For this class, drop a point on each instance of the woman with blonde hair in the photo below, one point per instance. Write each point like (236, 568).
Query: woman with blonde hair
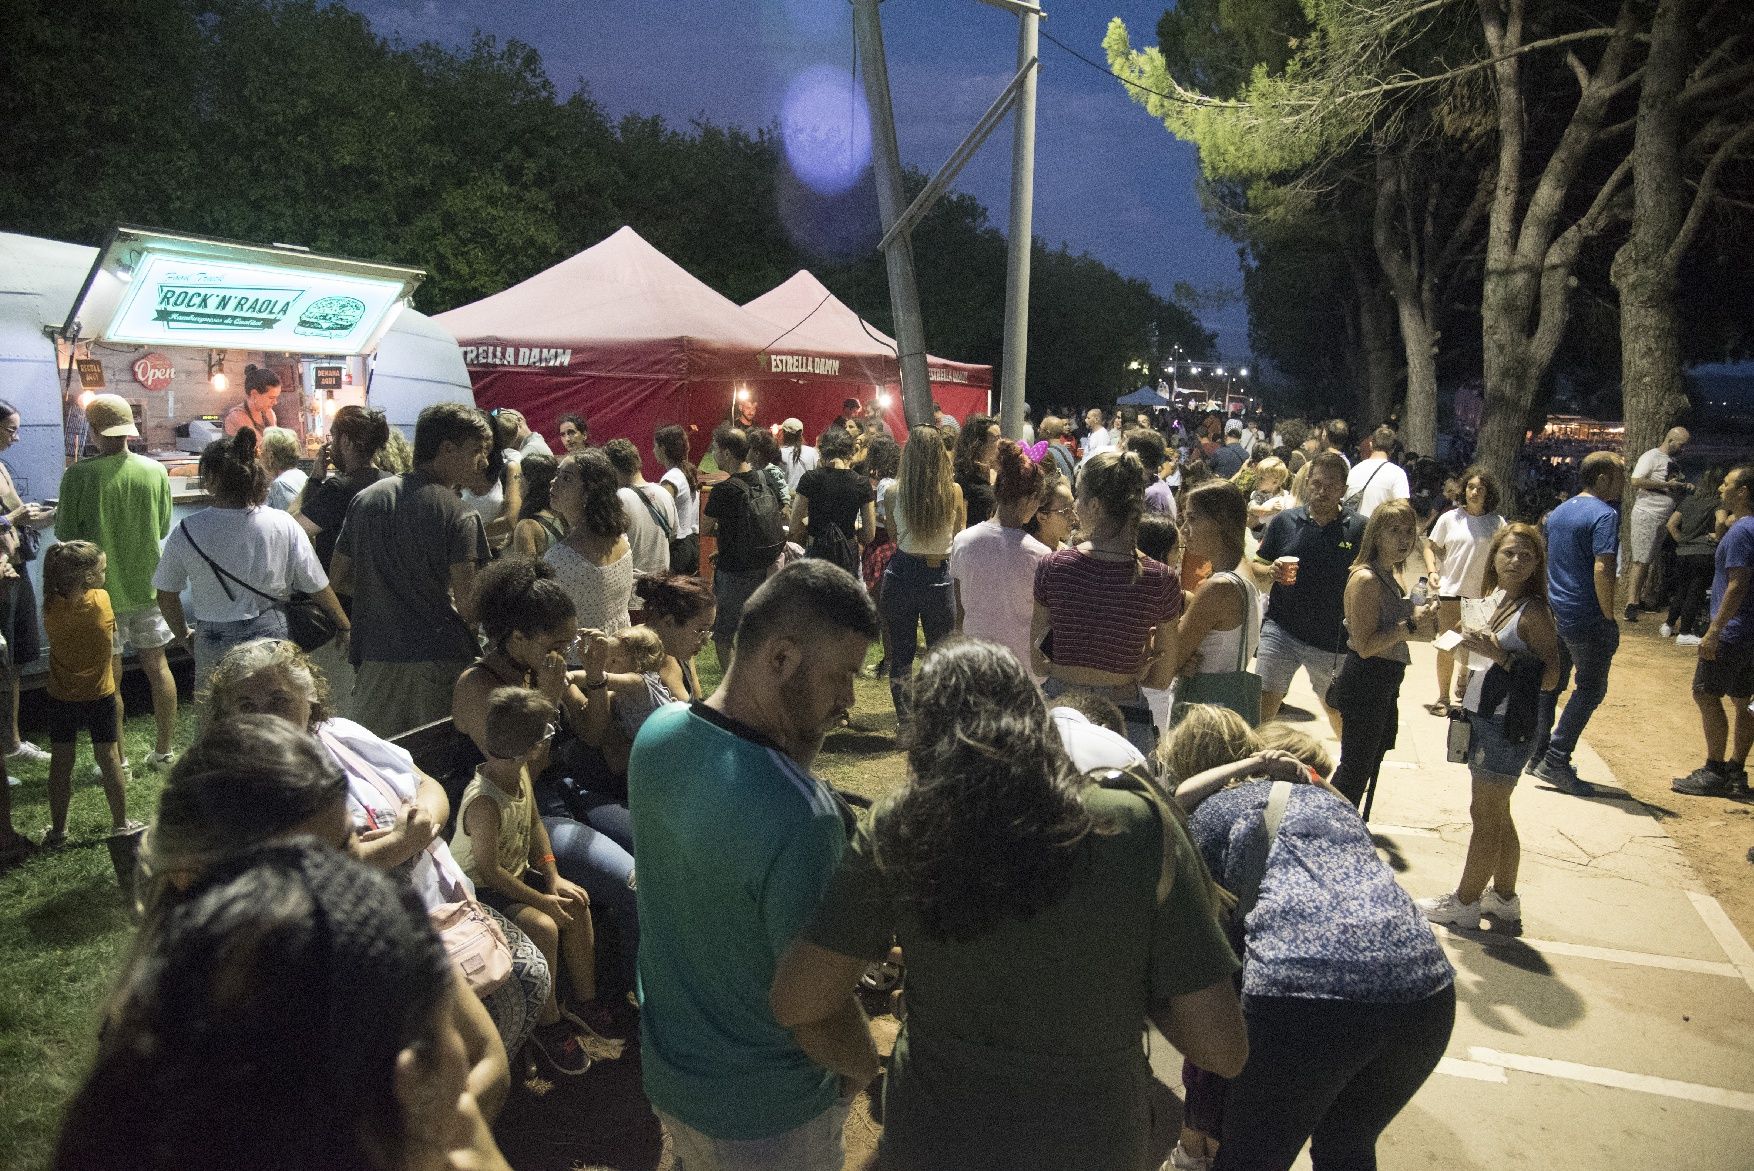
(1221, 627)
(924, 511)
(1380, 618)
(279, 457)
(1511, 662)
(1340, 1035)
(1106, 611)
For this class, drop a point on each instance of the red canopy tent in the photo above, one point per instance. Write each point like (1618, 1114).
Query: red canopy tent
(816, 320)
(625, 336)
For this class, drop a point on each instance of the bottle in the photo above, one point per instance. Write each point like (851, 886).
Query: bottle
(1416, 595)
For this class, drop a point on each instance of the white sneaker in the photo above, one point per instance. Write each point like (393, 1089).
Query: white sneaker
(1666, 630)
(1687, 640)
(1504, 910)
(160, 761)
(1180, 1160)
(28, 752)
(1450, 911)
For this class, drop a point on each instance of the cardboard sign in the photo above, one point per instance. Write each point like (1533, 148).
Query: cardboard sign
(328, 377)
(91, 374)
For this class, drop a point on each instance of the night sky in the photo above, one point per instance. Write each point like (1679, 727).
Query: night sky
(1110, 180)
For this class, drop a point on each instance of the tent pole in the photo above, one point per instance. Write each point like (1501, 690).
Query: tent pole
(904, 297)
(1020, 232)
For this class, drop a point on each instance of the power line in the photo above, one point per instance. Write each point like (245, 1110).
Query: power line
(1100, 68)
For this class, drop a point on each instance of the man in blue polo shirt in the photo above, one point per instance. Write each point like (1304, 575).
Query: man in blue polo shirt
(1583, 553)
(1726, 653)
(736, 844)
(1305, 557)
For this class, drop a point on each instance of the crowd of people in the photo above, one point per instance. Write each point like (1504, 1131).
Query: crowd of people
(1089, 635)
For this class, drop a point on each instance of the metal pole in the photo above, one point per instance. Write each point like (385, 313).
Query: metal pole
(904, 297)
(1015, 362)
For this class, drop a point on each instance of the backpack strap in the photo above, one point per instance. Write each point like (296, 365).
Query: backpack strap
(669, 533)
(1249, 888)
(224, 575)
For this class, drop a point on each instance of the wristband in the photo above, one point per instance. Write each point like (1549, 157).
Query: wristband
(597, 686)
(547, 858)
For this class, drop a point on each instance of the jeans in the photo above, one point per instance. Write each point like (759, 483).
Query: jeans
(817, 1145)
(914, 594)
(596, 862)
(213, 639)
(1371, 720)
(1334, 1072)
(1590, 650)
(1688, 604)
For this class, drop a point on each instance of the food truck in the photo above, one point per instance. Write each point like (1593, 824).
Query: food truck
(169, 321)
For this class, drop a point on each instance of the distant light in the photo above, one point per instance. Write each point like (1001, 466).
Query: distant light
(1244, 372)
(1196, 369)
(883, 400)
(330, 406)
(1219, 372)
(219, 381)
(742, 395)
(85, 398)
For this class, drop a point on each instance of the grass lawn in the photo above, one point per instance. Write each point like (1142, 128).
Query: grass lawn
(64, 929)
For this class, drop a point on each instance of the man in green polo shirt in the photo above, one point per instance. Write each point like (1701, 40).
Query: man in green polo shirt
(121, 502)
(736, 844)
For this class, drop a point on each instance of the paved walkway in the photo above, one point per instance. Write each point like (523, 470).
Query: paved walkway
(1618, 1029)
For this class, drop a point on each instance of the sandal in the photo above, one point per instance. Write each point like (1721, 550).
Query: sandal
(881, 977)
(1439, 709)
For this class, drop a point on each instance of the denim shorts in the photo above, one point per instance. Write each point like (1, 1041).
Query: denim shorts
(1490, 755)
(1279, 656)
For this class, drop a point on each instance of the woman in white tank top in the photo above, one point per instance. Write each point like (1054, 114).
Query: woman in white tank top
(1222, 624)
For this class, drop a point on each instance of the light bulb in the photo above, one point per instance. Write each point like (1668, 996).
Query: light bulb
(219, 381)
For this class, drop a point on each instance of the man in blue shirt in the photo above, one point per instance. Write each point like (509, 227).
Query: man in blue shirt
(1583, 553)
(736, 844)
(1726, 652)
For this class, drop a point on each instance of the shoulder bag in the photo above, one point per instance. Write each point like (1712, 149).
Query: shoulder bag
(657, 514)
(471, 938)
(307, 623)
(1355, 499)
(1238, 690)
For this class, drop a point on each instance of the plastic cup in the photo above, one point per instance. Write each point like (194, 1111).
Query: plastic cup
(1285, 570)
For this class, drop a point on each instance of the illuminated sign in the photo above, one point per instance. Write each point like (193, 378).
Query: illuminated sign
(224, 304)
(154, 288)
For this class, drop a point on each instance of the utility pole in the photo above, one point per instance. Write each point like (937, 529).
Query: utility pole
(898, 223)
(898, 256)
(1020, 233)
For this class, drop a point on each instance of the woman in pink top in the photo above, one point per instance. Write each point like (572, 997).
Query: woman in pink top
(992, 564)
(1106, 612)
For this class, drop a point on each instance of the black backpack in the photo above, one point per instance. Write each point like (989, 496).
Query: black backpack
(766, 527)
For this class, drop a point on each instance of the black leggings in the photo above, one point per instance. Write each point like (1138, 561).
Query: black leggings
(1692, 590)
(1334, 1072)
(1370, 719)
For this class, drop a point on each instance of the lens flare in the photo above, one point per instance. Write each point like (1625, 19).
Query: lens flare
(826, 129)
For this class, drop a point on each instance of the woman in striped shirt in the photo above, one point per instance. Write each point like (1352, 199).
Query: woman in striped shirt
(1105, 612)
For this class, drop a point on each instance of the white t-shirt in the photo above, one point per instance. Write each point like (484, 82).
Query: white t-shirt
(994, 568)
(795, 461)
(1653, 465)
(262, 546)
(378, 791)
(1460, 540)
(1381, 480)
(651, 547)
(1091, 745)
(283, 492)
(1097, 440)
(687, 503)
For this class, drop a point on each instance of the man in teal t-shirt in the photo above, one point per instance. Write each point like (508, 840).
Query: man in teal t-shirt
(736, 844)
(121, 502)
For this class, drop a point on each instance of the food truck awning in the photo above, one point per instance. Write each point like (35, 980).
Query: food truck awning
(148, 287)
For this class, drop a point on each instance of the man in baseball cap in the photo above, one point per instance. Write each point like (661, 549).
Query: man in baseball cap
(1228, 460)
(110, 415)
(121, 502)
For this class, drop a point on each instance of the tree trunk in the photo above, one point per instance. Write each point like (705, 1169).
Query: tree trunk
(1646, 266)
(1398, 254)
(1376, 335)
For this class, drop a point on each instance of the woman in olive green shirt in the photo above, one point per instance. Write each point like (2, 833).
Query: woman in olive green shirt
(1044, 920)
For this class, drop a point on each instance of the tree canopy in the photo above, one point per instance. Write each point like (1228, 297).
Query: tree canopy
(292, 120)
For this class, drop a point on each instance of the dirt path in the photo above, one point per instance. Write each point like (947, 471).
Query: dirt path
(1648, 732)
